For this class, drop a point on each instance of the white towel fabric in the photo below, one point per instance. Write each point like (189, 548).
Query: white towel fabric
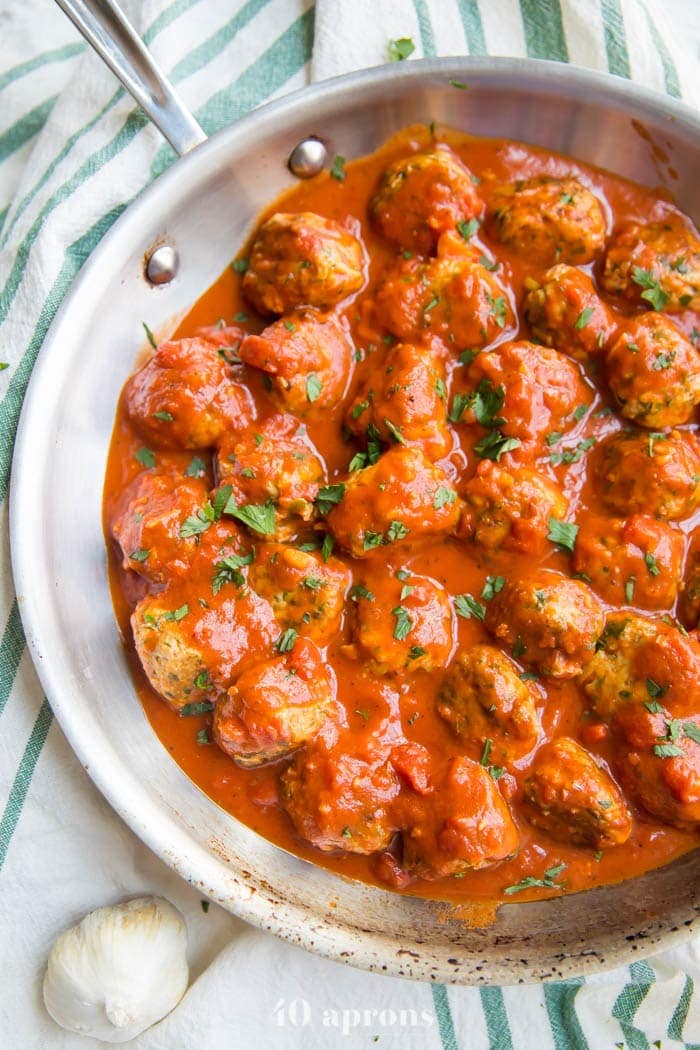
(73, 153)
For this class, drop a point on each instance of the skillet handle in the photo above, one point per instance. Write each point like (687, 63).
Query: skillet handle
(116, 42)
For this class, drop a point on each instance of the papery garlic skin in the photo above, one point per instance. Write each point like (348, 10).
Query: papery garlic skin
(119, 970)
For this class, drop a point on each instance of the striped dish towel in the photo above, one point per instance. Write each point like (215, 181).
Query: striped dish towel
(73, 153)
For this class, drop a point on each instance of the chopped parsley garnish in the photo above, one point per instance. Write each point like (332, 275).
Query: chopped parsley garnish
(404, 623)
(202, 707)
(395, 432)
(313, 583)
(197, 468)
(667, 750)
(328, 497)
(145, 457)
(466, 605)
(651, 564)
(692, 731)
(400, 49)
(663, 361)
(313, 388)
(495, 444)
(583, 318)
(498, 309)
(203, 680)
(196, 524)
(570, 455)
(415, 652)
(440, 389)
(653, 292)
(492, 586)
(459, 84)
(286, 641)
(547, 882)
(165, 417)
(407, 589)
(629, 589)
(338, 168)
(467, 356)
(228, 570)
(140, 555)
(239, 265)
(150, 336)
(203, 738)
(651, 441)
(360, 591)
(459, 404)
(435, 301)
(327, 546)
(467, 229)
(579, 412)
(655, 690)
(519, 648)
(488, 744)
(488, 264)
(240, 317)
(258, 517)
(396, 531)
(563, 533)
(444, 497)
(487, 402)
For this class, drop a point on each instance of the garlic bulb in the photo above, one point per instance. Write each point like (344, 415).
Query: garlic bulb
(119, 970)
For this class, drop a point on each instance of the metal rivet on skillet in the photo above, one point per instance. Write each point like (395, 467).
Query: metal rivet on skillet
(162, 264)
(307, 158)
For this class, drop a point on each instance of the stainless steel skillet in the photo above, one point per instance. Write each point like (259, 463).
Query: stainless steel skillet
(202, 209)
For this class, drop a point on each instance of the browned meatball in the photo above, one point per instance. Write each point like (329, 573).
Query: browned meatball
(566, 312)
(274, 469)
(634, 561)
(309, 354)
(574, 799)
(422, 196)
(403, 391)
(660, 766)
(510, 509)
(549, 220)
(548, 621)
(302, 259)
(654, 373)
(187, 650)
(305, 592)
(186, 396)
(404, 625)
(657, 265)
(453, 297)
(639, 661)
(274, 707)
(488, 706)
(339, 796)
(650, 474)
(464, 824)
(402, 497)
(147, 524)
(540, 391)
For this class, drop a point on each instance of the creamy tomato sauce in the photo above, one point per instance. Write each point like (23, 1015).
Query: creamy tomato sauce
(402, 524)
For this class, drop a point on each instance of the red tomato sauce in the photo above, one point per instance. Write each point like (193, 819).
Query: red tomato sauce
(407, 701)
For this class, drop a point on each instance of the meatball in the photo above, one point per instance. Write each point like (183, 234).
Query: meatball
(549, 622)
(309, 356)
(539, 390)
(654, 373)
(339, 797)
(148, 520)
(650, 474)
(689, 609)
(187, 650)
(549, 220)
(302, 260)
(404, 625)
(637, 561)
(663, 774)
(403, 391)
(453, 298)
(465, 824)
(275, 466)
(574, 799)
(640, 661)
(488, 706)
(186, 396)
(274, 707)
(422, 196)
(566, 312)
(401, 497)
(656, 265)
(510, 509)
(305, 592)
